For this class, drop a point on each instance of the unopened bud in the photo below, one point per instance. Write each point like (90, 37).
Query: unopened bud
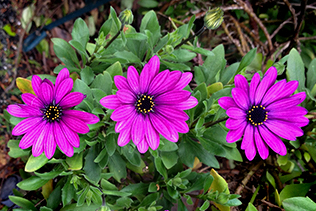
(213, 18)
(126, 17)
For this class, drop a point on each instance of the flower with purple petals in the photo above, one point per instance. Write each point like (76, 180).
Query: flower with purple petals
(49, 120)
(150, 104)
(263, 112)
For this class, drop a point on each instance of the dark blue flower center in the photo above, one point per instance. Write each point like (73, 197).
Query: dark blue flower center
(144, 103)
(52, 112)
(257, 115)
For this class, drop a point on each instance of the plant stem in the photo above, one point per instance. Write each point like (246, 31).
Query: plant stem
(191, 37)
(209, 124)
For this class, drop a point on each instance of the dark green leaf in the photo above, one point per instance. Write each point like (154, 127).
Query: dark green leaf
(247, 59)
(92, 169)
(160, 167)
(111, 143)
(132, 156)
(65, 52)
(54, 198)
(68, 192)
(22, 202)
(169, 159)
(117, 166)
(295, 69)
(87, 75)
(228, 73)
(80, 32)
(15, 150)
(311, 75)
(32, 183)
(299, 203)
(149, 199)
(294, 190)
(103, 82)
(35, 163)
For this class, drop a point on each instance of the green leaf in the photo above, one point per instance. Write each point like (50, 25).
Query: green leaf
(150, 22)
(167, 146)
(160, 168)
(115, 69)
(149, 199)
(106, 185)
(87, 75)
(49, 175)
(103, 82)
(92, 169)
(294, 190)
(228, 73)
(75, 162)
(117, 166)
(311, 75)
(169, 159)
(295, 69)
(80, 86)
(35, 163)
(128, 56)
(199, 75)
(250, 207)
(246, 60)
(106, 27)
(116, 193)
(68, 192)
(84, 207)
(132, 155)
(24, 85)
(183, 55)
(148, 3)
(32, 183)
(212, 147)
(54, 198)
(299, 203)
(15, 150)
(65, 52)
(22, 202)
(80, 32)
(110, 144)
(270, 179)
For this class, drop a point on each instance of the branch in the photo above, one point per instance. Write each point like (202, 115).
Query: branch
(237, 44)
(292, 11)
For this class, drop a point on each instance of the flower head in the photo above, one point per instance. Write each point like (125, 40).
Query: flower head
(213, 18)
(48, 119)
(263, 112)
(150, 104)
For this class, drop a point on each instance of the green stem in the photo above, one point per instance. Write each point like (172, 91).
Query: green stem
(209, 124)
(192, 37)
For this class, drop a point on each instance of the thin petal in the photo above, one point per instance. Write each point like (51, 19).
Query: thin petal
(46, 93)
(159, 125)
(31, 136)
(86, 117)
(183, 81)
(152, 136)
(241, 98)
(75, 124)
(180, 126)
(49, 142)
(121, 112)
(71, 136)
(126, 96)
(173, 97)
(26, 125)
(142, 146)
(262, 148)
(133, 79)
(290, 112)
(61, 140)
(62, 75)
(301, 96)
(248, 136)
(273, 92)
(38, 146)
(283, 104)
(154, 63)
(170, 82)
(121, 82)
(289, 89)
(36, 82)
(124, 137)
(149, 71)
(226, 102)
(251, 150)
(270, 139)
(137, 131)
(242, 83)
(236, 113)
(22, 111)
(155, 85)
(267, 81)
(188, 104)
(63, 89)
(235, 123)
(126, 123)
(235, 135)
(72, 99)
(32, 100)
(171, 112)
(284, 129)
(110, 102)
(255, 81)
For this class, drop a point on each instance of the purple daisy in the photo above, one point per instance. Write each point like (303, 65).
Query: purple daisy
(263, 113)
(49, 120)
(150, 104)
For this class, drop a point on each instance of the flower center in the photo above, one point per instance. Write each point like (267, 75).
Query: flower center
(144, 103)
(52, 112)
(257, 115)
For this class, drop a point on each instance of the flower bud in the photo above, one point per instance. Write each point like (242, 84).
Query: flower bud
(213, 18)
(126, 17)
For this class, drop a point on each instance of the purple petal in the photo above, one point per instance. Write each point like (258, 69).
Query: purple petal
(36, 82)
(255, 81)
(61, 140)
(63, 89)
(72, 99)
(121, 82)
(180, 126)
(110, 102)
(226, 102)
(301, 96)
(126, 96)
(248, 137)
(62, 75)
(236, 113)
(284, 129)
(299, 121)
(154, 62)
(241, 98)
(126, 123)
(235, 135)
(151, 135)
(289, 88)
(171, 112)
(270, 139)
(121, 112)
(137, 131)
(124, 137)
(241, 83)
(49, 142)
(75, 124)
(142, 146)
(183, 81)
(188, 104)
(22, 111)
(26, 125)
(133, 79)
(267, 81)
(162, 126)
(290, 112)
(71, 136)
(251, 150)
(155, 85)
(38, 145)
(170, 82)
(284, 103)
(172, 97)
(262, 148)
(273, 92)
(235, 123)
(31, 136)
(149, 71)
(32, 100)
(46, 93)
(86, 117)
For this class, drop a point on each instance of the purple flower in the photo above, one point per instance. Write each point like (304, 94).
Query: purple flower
(263, 113)
(49, 120)
(149, 105)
